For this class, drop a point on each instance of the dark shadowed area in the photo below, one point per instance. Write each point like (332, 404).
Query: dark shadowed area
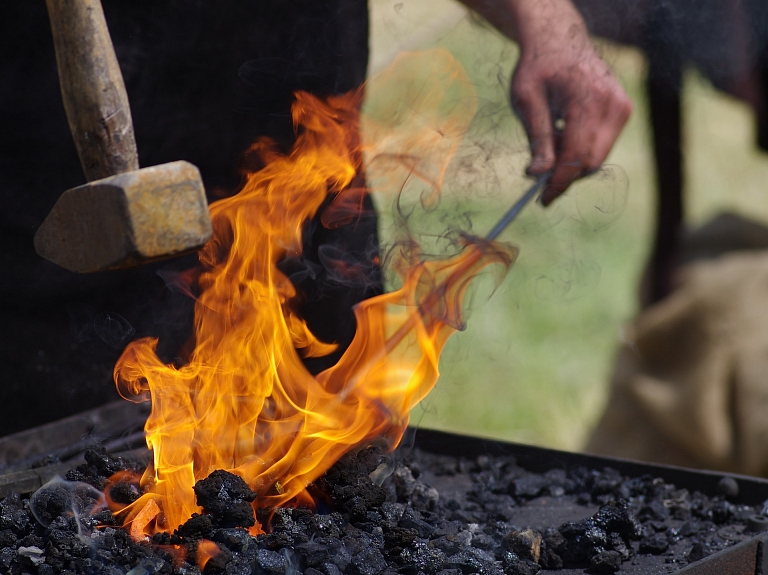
(205, 80)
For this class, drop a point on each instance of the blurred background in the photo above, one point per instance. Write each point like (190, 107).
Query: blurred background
(535, 360)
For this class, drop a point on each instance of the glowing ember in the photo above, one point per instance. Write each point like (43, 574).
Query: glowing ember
(244, 402)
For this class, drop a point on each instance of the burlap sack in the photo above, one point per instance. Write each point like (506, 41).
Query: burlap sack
(691, 380)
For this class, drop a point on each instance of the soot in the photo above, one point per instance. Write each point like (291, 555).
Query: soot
(421, 514)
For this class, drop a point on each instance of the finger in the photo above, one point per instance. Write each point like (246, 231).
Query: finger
(616, 115)
(529, 100)
(564, 175)
(574, 157)
(589, 135)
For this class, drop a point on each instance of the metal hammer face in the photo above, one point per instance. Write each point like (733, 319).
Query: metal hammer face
(127, 220)
(131, 216)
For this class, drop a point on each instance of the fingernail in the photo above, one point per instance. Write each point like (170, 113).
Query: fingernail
(547, 197)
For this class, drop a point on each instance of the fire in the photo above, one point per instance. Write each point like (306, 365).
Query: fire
(244, 401)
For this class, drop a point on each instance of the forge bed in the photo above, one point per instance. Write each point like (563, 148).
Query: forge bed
(448, 505)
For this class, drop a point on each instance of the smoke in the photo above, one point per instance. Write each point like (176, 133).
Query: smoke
(61, 501)
(445, 164)
(109, 327)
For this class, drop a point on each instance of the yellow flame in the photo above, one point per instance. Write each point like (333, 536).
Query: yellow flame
(244, 401)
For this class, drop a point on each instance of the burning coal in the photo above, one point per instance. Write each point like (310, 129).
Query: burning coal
(244, 401)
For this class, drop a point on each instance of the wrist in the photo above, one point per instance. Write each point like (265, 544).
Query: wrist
(535, 24)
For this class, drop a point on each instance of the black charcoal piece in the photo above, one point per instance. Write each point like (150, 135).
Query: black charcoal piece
(691, 527)
(315, 552)
(368, 561)
(7, 538)
(582, 539)
(50, 503)
(327, 525)
(7, 557)
(654, 510)
(196, 526)
(237, 540)
(528, 486)
(470, 560)
(324, 550)
(483, 541)
(420, 557)
(654, 545)
(617, 517)
(424, 497)
(523, 568)
(451, 543)
(222, 485)
(124, 492)
(411, 519)
(464, 561)
(217, 563)
(699, 551)
(605, 562)
(405, 482)
(392, 512)
(105, 464)
(331, 569)
(549, 559)
(605, 481)
(525, 544)
(271, 562)
(238, 566)
(226, 497)
(398, 538)
(722, 512)
(512, 564)
(617, 543)
(32, 540)
(410, 490)
(349, 488)
(728, 487)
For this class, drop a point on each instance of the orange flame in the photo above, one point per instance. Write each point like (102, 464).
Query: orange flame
(244, 401)
(206, 550)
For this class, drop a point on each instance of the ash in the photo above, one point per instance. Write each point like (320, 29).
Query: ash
(408, 513)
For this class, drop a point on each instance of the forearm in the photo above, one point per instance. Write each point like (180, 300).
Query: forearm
(559, 76)
(532, 22)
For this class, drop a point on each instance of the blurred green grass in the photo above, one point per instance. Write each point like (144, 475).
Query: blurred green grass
(534, 363)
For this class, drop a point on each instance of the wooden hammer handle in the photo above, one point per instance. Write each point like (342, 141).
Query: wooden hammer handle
(92, 88)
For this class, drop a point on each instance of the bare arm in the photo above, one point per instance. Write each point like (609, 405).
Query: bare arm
(559, 77)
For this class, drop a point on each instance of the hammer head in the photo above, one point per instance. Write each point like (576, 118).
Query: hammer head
(127, 220)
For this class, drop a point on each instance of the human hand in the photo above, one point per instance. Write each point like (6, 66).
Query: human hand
(571, 106)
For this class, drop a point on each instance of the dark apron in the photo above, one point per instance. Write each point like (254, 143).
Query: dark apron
(205, 80)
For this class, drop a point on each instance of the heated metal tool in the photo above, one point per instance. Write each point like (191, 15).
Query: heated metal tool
(518, 206)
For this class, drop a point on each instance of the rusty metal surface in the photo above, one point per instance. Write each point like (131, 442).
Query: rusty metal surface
(19, 451)
(30, 480)
(741, 559)
(127, 220)
(761, 567)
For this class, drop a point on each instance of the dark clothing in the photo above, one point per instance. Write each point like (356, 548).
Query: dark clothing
(205, 80)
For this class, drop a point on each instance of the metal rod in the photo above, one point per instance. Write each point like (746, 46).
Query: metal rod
(506, 219)
(517, 207)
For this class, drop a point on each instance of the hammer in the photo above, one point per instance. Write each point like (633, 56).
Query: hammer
(124, 216)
